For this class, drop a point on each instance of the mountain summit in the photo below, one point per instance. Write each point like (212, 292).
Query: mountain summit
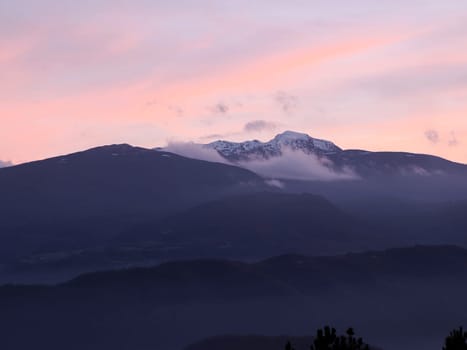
(236, 151)
(327, 157)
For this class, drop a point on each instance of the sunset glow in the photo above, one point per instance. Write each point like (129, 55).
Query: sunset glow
(366, 76)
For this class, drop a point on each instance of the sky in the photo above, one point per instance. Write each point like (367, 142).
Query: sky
(375, 75)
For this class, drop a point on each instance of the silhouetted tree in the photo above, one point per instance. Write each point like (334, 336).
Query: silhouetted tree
(457, 340)
(327, 339)
(288, 346)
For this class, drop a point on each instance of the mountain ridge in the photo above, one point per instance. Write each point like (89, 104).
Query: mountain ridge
(102, 190)
(324, 154)
(274, 147)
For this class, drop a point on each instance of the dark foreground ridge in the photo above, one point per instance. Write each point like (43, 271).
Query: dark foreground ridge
(250, 342)
(408, 290)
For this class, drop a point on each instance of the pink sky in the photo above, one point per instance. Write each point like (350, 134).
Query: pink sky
(384, 75)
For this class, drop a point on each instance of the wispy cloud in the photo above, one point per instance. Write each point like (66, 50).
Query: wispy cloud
(259, 125)
(291, 165)
(296, 165)
(219, 108)
(255, 126)
(453, 141)
(444, 74)
(179, 112)
(432, 136)
(196, 151)
(275, 183)
(212, 137)
(287, 102)
(435, 138)
(4, 164)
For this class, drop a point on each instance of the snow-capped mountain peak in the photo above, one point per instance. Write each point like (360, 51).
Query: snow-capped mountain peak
(296, 138)
(255, 149)
(291, 136)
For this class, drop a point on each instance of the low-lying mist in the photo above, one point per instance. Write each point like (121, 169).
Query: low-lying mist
(291, 165)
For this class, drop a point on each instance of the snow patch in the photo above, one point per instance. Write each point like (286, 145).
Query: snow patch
(254, 150)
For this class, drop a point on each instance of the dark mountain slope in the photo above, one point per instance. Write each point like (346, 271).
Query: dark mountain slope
(257, 225)
(390, 164)
(251, 226)
(84, 198)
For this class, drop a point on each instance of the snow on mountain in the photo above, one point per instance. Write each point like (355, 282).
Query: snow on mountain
(255, 149)
(294, 155)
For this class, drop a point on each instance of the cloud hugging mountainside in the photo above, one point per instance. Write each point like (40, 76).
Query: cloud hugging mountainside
(4, 164)
(298, 156)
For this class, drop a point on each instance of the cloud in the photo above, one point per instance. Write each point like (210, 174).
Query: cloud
(212, 137)
(418, 171)
(453, 141)
(196, 151)
(441, 76)
(291, 165)
(152, 102)
(432, 136)
(296, 165)
(177, 110)
(286, 101)
(220, 108)
(259, 125)
(275, 183)
(4, 164)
